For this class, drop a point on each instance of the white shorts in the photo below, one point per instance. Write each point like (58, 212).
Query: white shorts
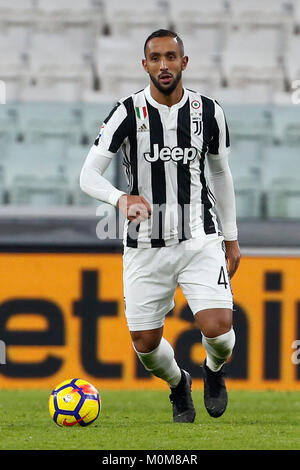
(151, 276)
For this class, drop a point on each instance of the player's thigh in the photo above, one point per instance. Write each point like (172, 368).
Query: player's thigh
(149, 285)
(204, 278)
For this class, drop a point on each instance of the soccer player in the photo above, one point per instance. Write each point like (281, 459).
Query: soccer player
(170, 136)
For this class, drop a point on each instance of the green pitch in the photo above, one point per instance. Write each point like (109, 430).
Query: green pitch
(132, 420)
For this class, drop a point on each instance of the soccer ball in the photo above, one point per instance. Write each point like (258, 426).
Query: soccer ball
(74, 402)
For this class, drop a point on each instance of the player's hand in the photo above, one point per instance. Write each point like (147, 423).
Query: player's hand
(233, 256)
(134, 208)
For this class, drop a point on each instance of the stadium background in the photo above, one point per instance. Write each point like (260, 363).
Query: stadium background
(63, 64)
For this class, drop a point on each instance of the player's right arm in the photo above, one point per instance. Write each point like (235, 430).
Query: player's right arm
(112, 134)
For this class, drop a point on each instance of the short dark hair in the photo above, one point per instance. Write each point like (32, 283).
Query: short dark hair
(162, 33)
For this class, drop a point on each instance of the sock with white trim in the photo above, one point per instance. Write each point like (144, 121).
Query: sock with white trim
(218, 349)
(161, 363)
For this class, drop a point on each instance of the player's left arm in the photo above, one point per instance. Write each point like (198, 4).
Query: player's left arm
(221, 183)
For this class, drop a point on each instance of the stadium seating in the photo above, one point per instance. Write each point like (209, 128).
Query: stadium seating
(79, 57)
(279, 161)
(64, 6)
(246, 172)
(58, 45)
(51, 123)
(40, 192)
(245, 61)
(24, 9)
(204, 51)
(120, 63)
(249, 122)
(9, 126)
(189, 17)
(134, 18)
(283, 198)
(25, 159)
(248, 197)
(14, 66)
(67, 86)
(35, 174)
(249, 94)
(51, 46)
(59, 50)
(281, 98)
(14, 43)
(2, 185)
(295, 5)
(268, 12)
(79, 12)
(291, 58)
(286, 124)
(75, 157)
(92, 117)
(61, 58)
(279, 181)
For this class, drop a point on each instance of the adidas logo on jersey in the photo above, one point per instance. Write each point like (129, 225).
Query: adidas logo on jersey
(143, 128)
(176, 154)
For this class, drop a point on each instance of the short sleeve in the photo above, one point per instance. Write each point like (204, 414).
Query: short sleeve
(113, 131)
(220, 142)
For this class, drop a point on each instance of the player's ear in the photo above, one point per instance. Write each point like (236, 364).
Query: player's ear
(184, 62)
(144, 63)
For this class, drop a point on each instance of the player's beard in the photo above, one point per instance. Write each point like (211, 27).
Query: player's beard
(169, 89)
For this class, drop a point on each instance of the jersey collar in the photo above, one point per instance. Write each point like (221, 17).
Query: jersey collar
(157, 105)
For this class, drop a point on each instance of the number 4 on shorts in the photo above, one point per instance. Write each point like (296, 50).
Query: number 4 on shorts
(222, 278)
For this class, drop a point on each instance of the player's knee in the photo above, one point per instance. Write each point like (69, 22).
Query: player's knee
(144, 347)
(212, 330)
(147, 340)
(144, 344)
(215, 323)
(217, 329)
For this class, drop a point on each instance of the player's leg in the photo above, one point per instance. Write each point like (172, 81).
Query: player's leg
(218, 337)
(157, 355)
(206, 285)
(148, 299)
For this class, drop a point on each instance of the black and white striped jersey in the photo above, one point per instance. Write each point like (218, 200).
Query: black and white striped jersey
(164, 157)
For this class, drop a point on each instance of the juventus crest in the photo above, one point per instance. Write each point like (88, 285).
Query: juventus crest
(197, 125)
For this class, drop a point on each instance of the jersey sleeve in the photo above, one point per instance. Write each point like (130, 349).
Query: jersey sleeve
(113, 132)
(92, 181)
(221, 183)
(220, 142)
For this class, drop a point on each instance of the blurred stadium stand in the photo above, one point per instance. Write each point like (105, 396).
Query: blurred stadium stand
(65, 62)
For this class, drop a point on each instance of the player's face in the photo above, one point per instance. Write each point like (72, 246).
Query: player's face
(164, 63)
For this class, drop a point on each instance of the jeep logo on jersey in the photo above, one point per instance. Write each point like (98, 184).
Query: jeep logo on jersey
(176, 154)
